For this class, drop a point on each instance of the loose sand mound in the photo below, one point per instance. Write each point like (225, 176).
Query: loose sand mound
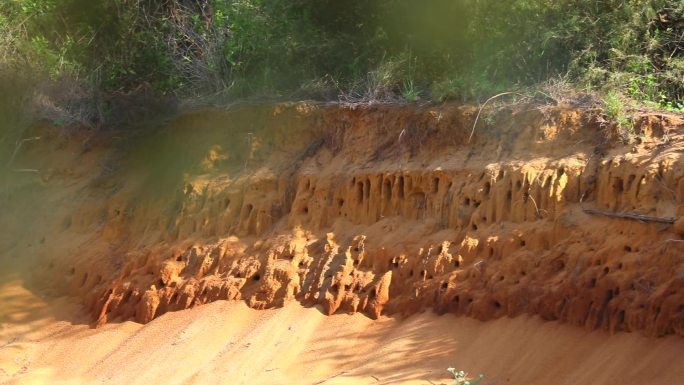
(229, 343)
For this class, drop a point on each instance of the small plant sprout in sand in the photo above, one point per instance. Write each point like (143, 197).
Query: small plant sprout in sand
(461, 377)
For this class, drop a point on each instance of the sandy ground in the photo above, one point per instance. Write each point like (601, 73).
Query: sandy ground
(228, 343)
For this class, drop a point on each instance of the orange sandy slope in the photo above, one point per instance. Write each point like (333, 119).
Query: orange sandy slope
(229, 343)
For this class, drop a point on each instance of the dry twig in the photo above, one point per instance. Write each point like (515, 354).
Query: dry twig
(17, 147)
(477, 118)
(637, 217)
(330, 378)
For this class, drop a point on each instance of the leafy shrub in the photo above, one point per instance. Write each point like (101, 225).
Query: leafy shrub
(461, 377)
(616, 111)
(358, 49)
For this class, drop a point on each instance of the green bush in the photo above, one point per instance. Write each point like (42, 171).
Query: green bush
(461, 377)
(357, 49)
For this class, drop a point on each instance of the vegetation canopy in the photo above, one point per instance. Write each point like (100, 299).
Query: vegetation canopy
(89, 54)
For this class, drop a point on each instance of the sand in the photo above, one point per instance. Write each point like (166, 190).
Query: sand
(42, 342)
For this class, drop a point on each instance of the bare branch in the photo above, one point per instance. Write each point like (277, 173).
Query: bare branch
(482, 107)
(18, 147)
(637, 217)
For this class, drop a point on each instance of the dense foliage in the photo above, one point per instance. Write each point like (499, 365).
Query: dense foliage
(358, 49)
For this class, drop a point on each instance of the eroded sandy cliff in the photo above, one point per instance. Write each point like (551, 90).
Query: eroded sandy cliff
(384, 209)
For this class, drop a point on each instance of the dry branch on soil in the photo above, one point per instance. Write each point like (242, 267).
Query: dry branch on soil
(472, 132)
(17, 147)
(637, 217)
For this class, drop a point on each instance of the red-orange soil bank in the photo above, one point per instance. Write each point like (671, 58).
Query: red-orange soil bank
(379, 210)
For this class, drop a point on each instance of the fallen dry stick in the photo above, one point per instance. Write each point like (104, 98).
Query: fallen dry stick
(637, 217)
(330, 378)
